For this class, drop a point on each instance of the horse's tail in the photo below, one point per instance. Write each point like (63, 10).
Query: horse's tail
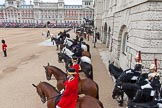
(97, 97)
(88, 48)
(91, 72)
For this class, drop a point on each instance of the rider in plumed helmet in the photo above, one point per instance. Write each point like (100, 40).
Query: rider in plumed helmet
(131, 75)
(152, 83)
(153, 75)
(138, 65)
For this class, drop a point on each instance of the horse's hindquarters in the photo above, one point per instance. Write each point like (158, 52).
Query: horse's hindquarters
(88, 87)
(89, 102)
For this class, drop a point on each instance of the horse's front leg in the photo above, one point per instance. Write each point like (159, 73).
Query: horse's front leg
(60, 85)
(121, 99)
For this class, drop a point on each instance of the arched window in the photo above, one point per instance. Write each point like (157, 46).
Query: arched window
(124, 45)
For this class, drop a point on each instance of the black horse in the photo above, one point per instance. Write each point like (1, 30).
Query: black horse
(114, 70)
(66, 58)
(132, 90)
(59, 42)
(85, 67)
(128, 76)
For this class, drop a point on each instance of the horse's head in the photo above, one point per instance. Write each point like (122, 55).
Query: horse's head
(40, 92)
(53, 70)
(117, 91)
(48, 72)
(46, 91)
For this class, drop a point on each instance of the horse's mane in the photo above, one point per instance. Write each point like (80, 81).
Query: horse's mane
(50, 86)
(58, 69)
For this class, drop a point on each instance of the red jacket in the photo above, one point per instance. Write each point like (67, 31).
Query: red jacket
(4, 47)
(76, 67)
(70, 94)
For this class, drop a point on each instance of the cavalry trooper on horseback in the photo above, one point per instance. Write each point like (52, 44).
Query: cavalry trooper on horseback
(150, 85)
(75, 64)
(70, 94)
(78, 50)
(131, 75)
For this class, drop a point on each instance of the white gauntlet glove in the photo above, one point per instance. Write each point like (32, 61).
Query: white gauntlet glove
(57, 106)
(62, 91)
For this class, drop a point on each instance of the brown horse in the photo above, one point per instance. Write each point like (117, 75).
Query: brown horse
(86, 53)
(86, 86)
(49, 93)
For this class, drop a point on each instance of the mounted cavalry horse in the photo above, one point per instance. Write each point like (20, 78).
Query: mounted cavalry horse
(49, 94)
(127, 76)
(85, 63)
(141, 93)
(86, 86)
(114, 70)
(59, 40)
(144, 101)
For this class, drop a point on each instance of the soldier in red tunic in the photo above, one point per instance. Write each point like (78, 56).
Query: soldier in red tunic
(4, 48)
(70, 94)
(75, 64)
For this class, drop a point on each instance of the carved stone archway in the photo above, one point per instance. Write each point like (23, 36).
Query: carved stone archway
(108, 38)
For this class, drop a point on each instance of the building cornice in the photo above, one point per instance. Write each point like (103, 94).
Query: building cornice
(10, 7)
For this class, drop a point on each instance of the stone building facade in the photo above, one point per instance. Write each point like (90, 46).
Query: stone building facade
(16, 11)
(129, 26)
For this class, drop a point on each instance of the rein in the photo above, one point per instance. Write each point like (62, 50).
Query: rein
(53, 97)
(58, 79)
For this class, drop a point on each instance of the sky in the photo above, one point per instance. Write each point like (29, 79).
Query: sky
(69, 2)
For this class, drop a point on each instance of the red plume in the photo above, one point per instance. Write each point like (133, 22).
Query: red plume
(155, 61)
(139, 56)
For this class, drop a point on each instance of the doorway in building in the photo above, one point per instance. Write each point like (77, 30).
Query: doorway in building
(105, 33)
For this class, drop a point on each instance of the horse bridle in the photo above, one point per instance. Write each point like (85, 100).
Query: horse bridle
(45, 98)
(53, 97)
(59, 79)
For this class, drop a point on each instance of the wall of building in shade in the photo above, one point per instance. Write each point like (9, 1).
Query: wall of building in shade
(129, 26)
(16, 11)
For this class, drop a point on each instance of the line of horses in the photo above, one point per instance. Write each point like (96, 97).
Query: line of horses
(86, 86)
(141, 92)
